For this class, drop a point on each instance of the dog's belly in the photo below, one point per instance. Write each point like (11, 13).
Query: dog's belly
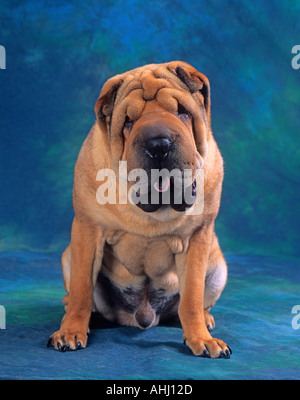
(138, 283)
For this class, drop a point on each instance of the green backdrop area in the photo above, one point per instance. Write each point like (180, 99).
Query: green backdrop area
(59, 54)
(253, 316)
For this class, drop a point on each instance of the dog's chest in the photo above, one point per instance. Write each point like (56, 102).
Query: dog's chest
(141, 255)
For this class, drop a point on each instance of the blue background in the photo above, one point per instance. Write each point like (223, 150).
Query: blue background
(59, 54)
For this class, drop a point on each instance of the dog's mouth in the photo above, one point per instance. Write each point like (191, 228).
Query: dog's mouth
(165, 192)
(162, 185)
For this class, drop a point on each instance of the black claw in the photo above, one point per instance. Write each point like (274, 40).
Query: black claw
(222, 354)
(79, 346)
(225, 354)
(59, 347)
(229, 350)
(66, 348)
(209, 328)
(205, 354)
(184, 341)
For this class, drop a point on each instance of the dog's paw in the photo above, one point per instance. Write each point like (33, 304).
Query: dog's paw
(209, 321)
(64, 340)
(211, 348)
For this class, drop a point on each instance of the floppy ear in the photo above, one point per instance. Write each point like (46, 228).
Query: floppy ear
(105, 103)
(198, 85)
(196, 82)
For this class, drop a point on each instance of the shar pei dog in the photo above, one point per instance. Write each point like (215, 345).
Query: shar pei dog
(143, 247)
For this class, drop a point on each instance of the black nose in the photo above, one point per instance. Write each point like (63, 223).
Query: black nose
(158, 148)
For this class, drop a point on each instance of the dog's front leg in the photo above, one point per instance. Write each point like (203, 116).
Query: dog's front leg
(86, 244)
(191, 267)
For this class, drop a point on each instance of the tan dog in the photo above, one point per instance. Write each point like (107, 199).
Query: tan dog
(144, 262)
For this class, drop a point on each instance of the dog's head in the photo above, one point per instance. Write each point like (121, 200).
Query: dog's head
(157, 118)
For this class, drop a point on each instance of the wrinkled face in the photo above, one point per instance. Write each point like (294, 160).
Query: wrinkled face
(157, 119)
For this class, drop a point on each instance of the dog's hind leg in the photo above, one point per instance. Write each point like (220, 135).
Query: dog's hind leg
(66, 270)
(215, 280)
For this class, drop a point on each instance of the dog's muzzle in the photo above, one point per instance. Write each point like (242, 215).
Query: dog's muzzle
(164, 191)
(163, 150)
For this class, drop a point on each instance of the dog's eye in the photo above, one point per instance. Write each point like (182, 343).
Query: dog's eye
(182, 112)
(128, 124)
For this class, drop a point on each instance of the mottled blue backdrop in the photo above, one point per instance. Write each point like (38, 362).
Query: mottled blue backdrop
(58, 55)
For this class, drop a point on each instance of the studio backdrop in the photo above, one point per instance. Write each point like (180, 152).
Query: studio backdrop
(54, 58)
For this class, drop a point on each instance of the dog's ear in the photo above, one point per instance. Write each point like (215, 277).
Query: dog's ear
(105, 103)
(198, 85)
(195, 81)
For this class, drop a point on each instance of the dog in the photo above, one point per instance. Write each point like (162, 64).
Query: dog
(143, 262)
